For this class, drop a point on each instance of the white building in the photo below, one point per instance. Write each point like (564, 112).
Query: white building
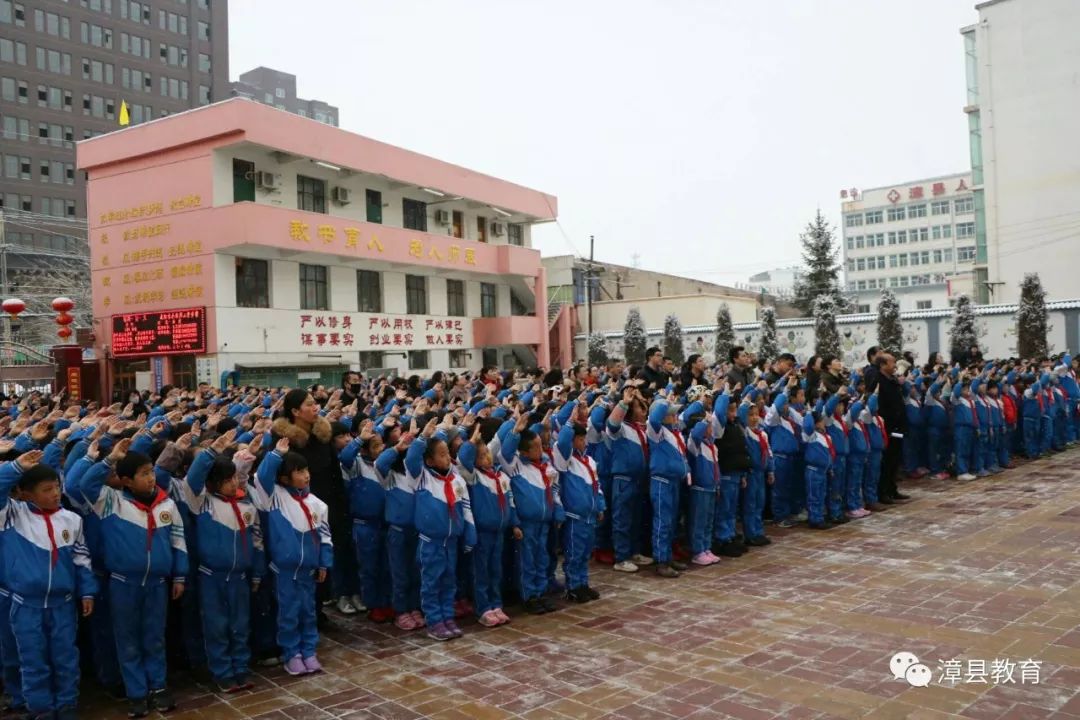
(916, 238)
(1022, 63)
(779, 282)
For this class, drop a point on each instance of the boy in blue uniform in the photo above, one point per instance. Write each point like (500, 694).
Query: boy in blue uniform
(583, 503)
(47, 565)
(818, 456)
(629, 474)
(668, 470)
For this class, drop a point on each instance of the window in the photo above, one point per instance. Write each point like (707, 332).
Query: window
(862, 308)
(419, 359)
(252, 283)
(914, 259)
(414, 214)
(371, 359)
(373, 200)
(313, 287)
(965, 205)
(204, 63)
(924, 257)
(15, 52)
(904, 281)
(416, 295)
(459, 358)
(874, 217)
(310, 194)
(861, 285)
(851, 243)
(203, 30)
(489, 304)
(368, 291)
(896, 213)
(204, 95)
(515, 235)
(481, 229)
(939, 207)
(853, 220)
(455, 298)
(901, 237)
(917, 211)
(903, 260)
(892, 261)
(860, 264)
(924, 304)
(879, 240)
(279, 92)
(919, 234)
(947, 255)
(860, 242)
(965, 230)
(965, 254)
(937, 257)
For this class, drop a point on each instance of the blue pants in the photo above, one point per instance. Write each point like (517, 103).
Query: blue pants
(404, 571)
(138, 615)
(264, 618)
(464, 579)
(965, 452)
(345, 575)
(872, 477)
(191, 622)
(9, 654)
(727, 507)
(1004, 440)
(603, 530)
(913, 448)
(1046, 433)
(753, 505)
(782, 498)
(993, 441)
(837, 483)
(48, 655)
(533, 559)
(1031, 436)
(297, 632)
(978, 451)
(816, 484)
(487, 559)
(856, 470)
(102, 640)
(1060, 419)
(935, 449)
(1072, 428)
(552, 558)
(226, 613)
(370, 542)
(665, 499)
(438, 579)
(578, 539)
(702, 510)
(625, 501)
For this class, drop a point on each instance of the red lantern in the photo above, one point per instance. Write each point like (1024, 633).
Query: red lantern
(63, 304)
(13, 306)
(64, 332)
(64, 319)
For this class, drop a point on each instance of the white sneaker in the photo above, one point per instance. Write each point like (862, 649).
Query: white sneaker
(358, 603)
(345, 606)
(642, 560)
(626, 566)
(802, 517)
(966, 476)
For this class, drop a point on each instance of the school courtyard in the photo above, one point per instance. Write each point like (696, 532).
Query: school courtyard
(979, 580)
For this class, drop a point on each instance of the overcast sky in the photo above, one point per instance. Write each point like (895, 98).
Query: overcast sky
(700, 135)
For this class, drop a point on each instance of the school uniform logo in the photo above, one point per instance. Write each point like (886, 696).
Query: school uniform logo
(66, 535)
(165, 518)
(247, 518)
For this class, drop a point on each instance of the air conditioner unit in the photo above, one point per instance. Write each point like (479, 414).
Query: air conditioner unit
(498, 228)
(342, 195)
(269, 180)
(442, 217)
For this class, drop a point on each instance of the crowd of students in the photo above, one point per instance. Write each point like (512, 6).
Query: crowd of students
(423, 501)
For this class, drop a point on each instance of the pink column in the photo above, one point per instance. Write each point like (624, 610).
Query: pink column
(543, 350)
(565, 328)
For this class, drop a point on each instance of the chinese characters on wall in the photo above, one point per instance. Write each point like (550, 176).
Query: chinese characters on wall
(363, 331)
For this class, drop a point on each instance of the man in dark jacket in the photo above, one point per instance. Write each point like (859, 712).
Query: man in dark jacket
(653, 373)
(743, 371)
(891, 408)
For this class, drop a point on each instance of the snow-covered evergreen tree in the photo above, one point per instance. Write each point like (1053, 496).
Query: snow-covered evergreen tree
(890, 333)
(673, 340)
(963, 336)
(634, 338)
(821, 276)
(768, 348)
(1031, 323)
(725, 333)
(826, 335)
(597, 349)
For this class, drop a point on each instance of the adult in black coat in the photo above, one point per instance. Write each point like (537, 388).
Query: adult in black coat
(892, 411)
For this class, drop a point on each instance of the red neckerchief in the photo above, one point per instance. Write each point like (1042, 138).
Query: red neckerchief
(640, 430)
(974, 413)
(865, 432)
(763, 443)
(828, 441)
(1038, 397)
(234, 503)
(543, 467)
(592, 473)
(299, 498)
(843, 425)
(46, 515)
(715, 458)
(151, 524)
(448, 489)
(679, 440)
(794, 427)
(884, 434)
(498, 486)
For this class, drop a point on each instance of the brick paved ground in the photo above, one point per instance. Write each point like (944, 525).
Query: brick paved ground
(801, 629)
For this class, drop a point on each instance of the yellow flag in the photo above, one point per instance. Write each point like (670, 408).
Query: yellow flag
(124, 119)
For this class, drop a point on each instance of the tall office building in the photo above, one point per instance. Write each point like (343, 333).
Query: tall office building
(276, 88)
(65, 68)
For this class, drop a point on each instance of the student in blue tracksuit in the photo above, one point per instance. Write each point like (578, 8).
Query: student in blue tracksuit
(1032, 415)
(47, 565)
(997, 428)
(879, 440)
(784, 427)
(857, 459)
(838, 431)
(983, 430)
(9, 649)
(1060, 416)
(231, 558)
(1071, 388)
(936, 425)
(818, 455)
(667, 471)
(965, 429)
(915, 437)
(401, 536)
(144, 546)
(629, 475)
(1046, 422)
(760, 476)
(494, 512)
(443, 517)
(301, 552)
(583, 504)
(599, 450)
(705, 477)
(367, 489)
(733, 460)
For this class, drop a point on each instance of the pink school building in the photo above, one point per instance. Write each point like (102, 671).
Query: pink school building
(238, 241)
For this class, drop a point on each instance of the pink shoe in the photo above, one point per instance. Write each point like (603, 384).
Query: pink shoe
(295, 666)
(503, 617)
(405, 621)
(857, 514)
(940, 476)
(714, 557)
(702, 558)
(490, 619)
(418, 618)
(312, 664)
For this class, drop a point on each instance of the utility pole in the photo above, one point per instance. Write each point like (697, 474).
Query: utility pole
(590, 275)
(4, 296)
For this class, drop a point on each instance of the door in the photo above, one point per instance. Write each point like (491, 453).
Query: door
(481, 229)
(374, 206)
(183, 371)
(243, 180)
(459, 224)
